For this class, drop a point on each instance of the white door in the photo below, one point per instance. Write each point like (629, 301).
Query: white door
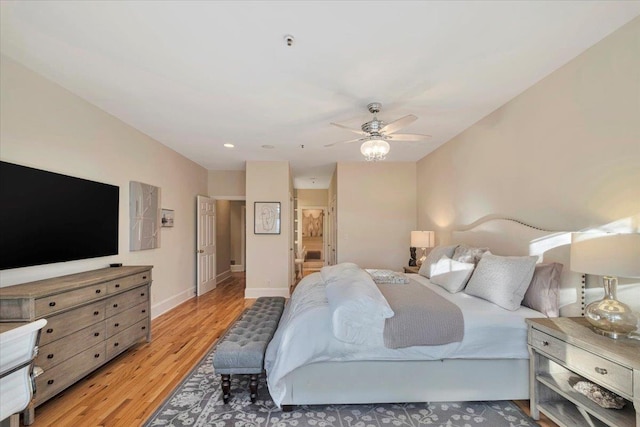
(333, 233)
(206, 237)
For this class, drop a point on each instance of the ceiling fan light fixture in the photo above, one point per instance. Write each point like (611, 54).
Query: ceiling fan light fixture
(375, 150)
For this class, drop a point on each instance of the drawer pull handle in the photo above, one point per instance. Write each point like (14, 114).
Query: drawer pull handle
(52, 304)
(116, 325)
(98, 291)
(144, 277)
(601, 371)
(50, 382)
(142, 294)
(117, 285)
(545, 343)
(115, 344)
(95, 313)
(49, 356)
(96, 334)
(115, 305)
(144, 327)
(144, 311)
(96, 355)
(49, 331)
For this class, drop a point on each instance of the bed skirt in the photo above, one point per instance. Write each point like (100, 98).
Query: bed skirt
(408, 381)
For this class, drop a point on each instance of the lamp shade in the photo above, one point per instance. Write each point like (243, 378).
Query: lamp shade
(374, 150)
(422, 239)
(606, 254)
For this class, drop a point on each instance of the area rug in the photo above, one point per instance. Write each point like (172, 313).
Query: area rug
(197, 402)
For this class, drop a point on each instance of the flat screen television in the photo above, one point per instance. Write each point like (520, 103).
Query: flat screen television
(47, 217)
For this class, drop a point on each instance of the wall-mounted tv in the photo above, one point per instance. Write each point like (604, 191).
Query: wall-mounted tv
(47, 217)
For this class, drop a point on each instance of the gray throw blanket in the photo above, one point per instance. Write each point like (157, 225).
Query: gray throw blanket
(422, 317)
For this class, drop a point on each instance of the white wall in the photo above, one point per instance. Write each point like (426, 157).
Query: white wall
(46, 127)
(268, 255)
(564, 155)
(377, 211)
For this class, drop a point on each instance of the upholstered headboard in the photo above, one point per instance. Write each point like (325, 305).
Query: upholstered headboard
(505, 236)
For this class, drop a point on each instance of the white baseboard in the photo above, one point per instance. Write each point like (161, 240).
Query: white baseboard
(237, 268)
(223, 276)
(172, 302)
(252, 293)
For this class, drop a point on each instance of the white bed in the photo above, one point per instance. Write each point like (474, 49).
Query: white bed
(486, 365)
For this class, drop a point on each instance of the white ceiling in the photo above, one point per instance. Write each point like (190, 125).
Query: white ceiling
(196, 74)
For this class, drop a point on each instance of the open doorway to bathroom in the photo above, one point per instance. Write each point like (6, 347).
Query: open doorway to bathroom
(313, 238)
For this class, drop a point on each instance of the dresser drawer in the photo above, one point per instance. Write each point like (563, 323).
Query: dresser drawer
(58, 351)
(61, 325)
(603, 371)
(58, 302)
(123, 320)
(68, 372)
(128, 282)
(126, 338)
(125, 300)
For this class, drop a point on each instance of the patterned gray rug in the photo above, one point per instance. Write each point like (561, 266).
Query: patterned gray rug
(197, 402)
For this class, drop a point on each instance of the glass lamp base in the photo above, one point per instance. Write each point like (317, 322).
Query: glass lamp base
(609, 316)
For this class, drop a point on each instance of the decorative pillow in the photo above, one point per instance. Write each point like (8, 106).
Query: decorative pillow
(502, 280)
(464, 253)
(388, 276)
(451, 275)
(542, 294)
(433, 257)
(358, 308)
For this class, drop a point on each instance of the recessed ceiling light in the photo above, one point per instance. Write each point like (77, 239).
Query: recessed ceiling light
(268, 147)
(229, 145)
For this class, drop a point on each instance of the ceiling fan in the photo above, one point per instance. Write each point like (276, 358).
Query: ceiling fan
(377, 130)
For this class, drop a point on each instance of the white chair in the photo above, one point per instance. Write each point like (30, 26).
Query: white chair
(299, 261)
(18, 349)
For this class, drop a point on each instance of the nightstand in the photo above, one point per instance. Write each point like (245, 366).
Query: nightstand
(565, 350)
(411, 269)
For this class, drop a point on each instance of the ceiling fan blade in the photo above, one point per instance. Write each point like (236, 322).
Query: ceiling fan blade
(407, 137)
(358, 131)
(345, 142)
(398, 124)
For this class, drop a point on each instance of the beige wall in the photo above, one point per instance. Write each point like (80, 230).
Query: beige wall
(268, 255)
(563, 155)
(223, 239)
(226, 183)
(313, 197)
(236, 232)
(377, 213)
(44, 126)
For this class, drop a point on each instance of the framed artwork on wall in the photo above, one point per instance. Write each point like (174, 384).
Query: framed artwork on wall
(266, 217)
(167, 217)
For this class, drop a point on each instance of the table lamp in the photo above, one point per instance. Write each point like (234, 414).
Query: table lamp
(423, 240)
(608, 255)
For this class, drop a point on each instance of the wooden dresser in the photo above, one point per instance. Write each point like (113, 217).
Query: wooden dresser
(92, 317)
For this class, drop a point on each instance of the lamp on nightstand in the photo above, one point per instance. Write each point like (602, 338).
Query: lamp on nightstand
(608, 255)
(423, 240)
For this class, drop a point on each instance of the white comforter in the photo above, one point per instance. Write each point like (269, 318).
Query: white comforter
(305, 335)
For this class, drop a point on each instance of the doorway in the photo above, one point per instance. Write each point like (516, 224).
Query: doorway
(313, 238)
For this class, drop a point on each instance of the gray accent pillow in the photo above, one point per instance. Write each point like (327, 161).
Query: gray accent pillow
(543, 292)
(464, 253)
(502, 280)
(450, 274)
(433, 257)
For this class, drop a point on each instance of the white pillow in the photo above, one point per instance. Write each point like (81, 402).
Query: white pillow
(433, 257)
(358, 308)
(450, 274)
(502, 280)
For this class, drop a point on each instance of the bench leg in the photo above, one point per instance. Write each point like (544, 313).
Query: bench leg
(287, 408)
(226, 387)
(253, 387)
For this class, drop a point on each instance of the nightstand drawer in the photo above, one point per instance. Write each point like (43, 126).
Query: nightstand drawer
(612, 375)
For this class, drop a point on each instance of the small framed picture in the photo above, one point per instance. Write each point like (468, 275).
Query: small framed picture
(167, 218)
(266, 218)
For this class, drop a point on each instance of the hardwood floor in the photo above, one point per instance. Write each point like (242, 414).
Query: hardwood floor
(126, 391)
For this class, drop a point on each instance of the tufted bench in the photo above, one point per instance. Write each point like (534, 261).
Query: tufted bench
(241, 349)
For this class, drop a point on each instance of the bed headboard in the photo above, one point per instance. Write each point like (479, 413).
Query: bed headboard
(505, 236)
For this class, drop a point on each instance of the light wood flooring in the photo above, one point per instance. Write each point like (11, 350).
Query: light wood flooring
(126, 391)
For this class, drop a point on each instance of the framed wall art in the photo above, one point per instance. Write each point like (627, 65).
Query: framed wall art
(266, 217)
